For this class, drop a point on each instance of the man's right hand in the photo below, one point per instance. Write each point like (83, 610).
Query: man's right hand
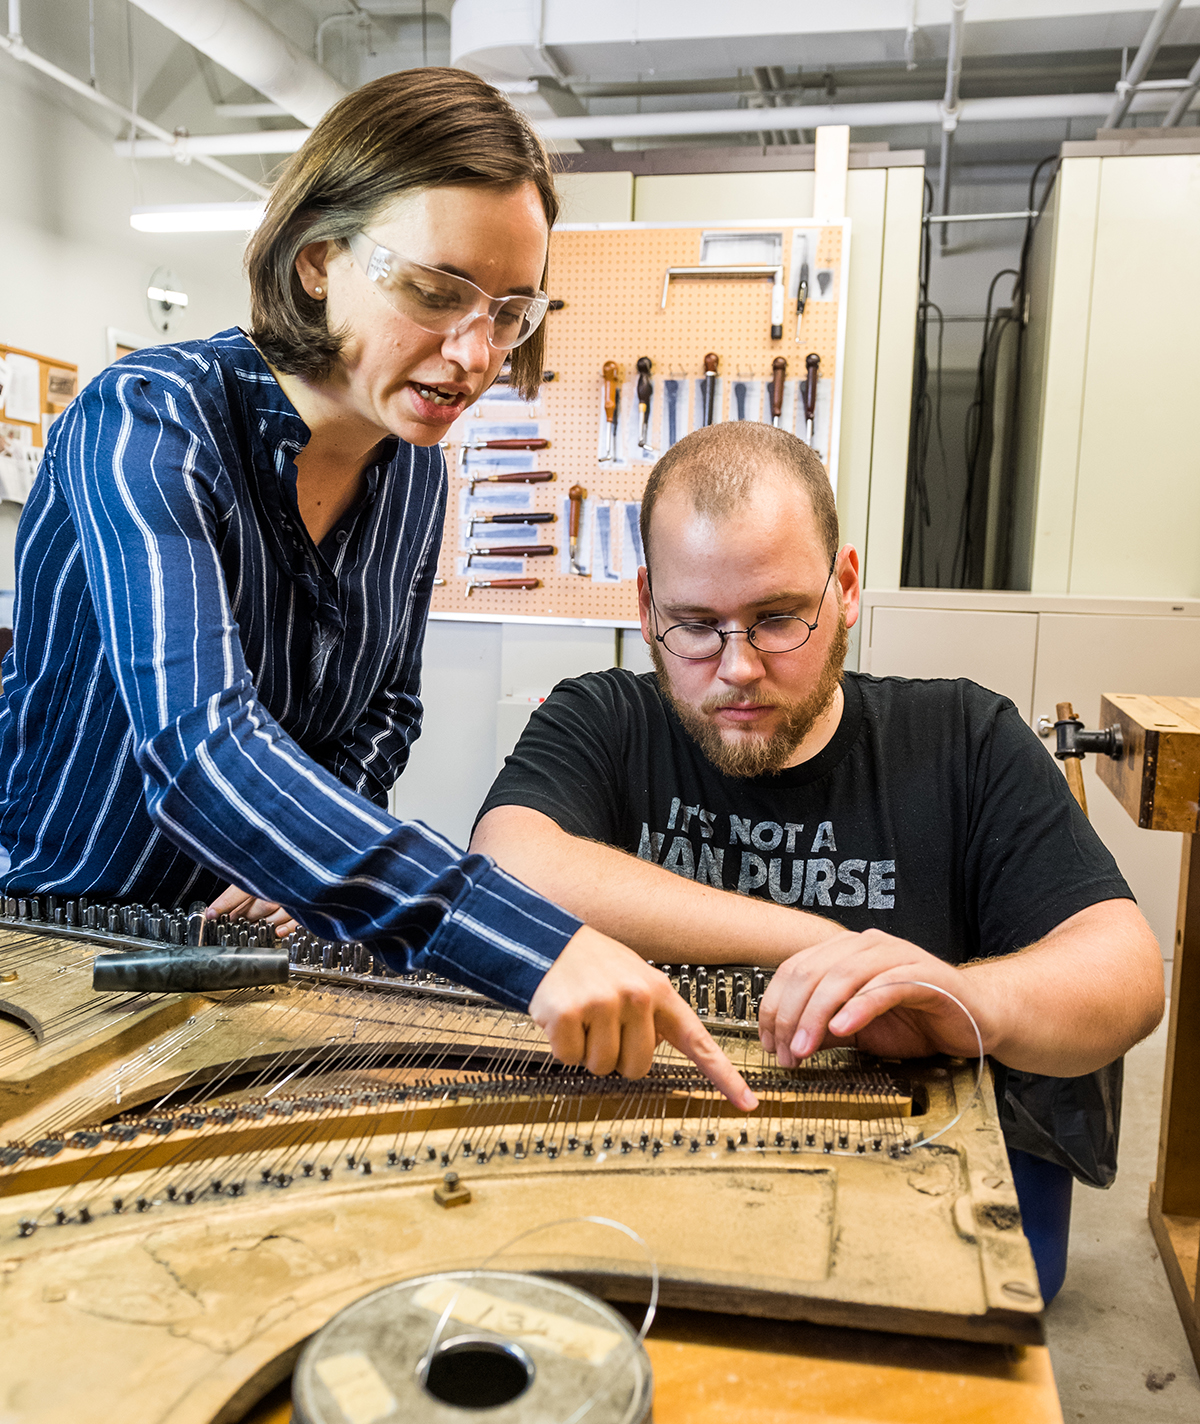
(603, 1006)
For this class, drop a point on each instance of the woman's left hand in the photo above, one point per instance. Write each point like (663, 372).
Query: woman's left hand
(237, 902)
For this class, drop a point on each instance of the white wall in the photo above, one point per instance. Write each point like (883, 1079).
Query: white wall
(72, 265)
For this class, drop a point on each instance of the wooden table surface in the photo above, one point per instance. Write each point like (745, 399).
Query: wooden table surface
(713, 1369)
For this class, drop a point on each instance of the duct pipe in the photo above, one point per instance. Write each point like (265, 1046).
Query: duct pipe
(241, 41)
(700, 122)
(950, 108)
(1184, 102)
(1142, 61)
(17, 47)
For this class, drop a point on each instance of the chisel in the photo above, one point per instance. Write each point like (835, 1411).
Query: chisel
(813, 362)
(612, 399)
(513, 477)
(671, 392)
(778, 375)
(533, 443)
(502, 583)
(711, 362)
(534, 516)
(645, 394)
(739, 396)
(511, 551)
(576, 494)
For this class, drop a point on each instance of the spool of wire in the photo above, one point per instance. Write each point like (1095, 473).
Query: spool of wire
(474, 1345)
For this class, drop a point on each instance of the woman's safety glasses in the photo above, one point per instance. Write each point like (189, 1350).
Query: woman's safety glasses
(438, 302)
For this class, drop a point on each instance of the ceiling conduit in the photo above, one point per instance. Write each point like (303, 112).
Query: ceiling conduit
(15, 45)
(713, 121)
(241, 41)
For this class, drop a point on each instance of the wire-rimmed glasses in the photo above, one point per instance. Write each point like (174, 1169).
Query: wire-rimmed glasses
(444, 304)
(776, 633)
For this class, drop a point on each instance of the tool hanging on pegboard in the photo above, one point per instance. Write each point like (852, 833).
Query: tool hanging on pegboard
(605, 431)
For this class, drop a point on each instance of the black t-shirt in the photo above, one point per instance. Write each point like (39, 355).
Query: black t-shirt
(932, 814)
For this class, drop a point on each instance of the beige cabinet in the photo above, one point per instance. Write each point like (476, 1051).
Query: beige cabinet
(1040, 650)
(1108, 471)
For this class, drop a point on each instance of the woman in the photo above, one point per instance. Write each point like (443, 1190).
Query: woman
(225, 565)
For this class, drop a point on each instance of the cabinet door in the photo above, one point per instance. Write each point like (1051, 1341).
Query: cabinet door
(994, 649)
(1080, 656)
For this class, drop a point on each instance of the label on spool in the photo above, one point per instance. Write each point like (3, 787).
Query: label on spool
(356, 1386)
(520, 1321)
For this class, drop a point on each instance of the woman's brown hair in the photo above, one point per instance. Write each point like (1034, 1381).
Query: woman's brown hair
(420, 128)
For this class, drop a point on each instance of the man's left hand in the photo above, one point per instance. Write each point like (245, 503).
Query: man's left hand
(811, 1002)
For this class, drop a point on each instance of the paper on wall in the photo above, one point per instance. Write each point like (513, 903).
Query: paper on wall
(22, 394)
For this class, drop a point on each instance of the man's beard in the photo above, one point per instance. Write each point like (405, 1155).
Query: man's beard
(752, 755)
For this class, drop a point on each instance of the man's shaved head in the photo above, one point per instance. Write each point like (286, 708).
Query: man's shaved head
(718, 466)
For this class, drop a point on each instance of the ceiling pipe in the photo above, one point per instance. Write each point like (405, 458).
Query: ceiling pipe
(15, 45)
(1184, 101)
(950, 108)
(241, 41)
(899, 113)
(1127, 87)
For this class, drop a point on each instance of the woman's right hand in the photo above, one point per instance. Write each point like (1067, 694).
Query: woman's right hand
(237, 902)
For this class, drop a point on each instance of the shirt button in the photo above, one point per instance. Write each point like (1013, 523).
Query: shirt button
(343, 535)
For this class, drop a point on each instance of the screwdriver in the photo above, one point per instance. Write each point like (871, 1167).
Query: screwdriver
(711, 362)
(535, 516)
(645, 394)
(514, 477)
(813, 362)
(502, 583)
(511, 551)
(778, 375)
(576, 494)
(533, 443)
(801, 297)
(612, 400)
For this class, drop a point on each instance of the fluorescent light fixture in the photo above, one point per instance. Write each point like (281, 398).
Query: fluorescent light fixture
(198, 217)
(165, 295)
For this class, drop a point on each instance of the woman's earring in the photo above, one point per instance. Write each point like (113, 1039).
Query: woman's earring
(319, 291)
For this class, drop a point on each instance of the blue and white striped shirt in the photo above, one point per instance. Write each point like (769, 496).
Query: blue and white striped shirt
(198, 695)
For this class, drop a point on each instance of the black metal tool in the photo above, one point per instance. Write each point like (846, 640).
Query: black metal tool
(778, 376)
(711, 362)
(801, 297)
(813, 362)
(188, 969)
(511, 551)
(513, 477)
(645, 394)
(739, 396)
(533, 516)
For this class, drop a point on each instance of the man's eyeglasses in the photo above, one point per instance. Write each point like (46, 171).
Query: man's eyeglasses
(446, 305)
(777, 633)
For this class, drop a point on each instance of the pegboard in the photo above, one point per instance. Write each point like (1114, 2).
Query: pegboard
(610, 278)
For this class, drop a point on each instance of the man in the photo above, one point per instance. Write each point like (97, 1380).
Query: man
(877, 835)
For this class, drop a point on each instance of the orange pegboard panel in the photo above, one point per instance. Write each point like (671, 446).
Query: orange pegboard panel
(610, 277)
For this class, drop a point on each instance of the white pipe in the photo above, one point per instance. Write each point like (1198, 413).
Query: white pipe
(1141, 62)
(1183, 103)
(705, 121)
(950, 106)
(241, 41)
(193, 145)
(16, 47)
